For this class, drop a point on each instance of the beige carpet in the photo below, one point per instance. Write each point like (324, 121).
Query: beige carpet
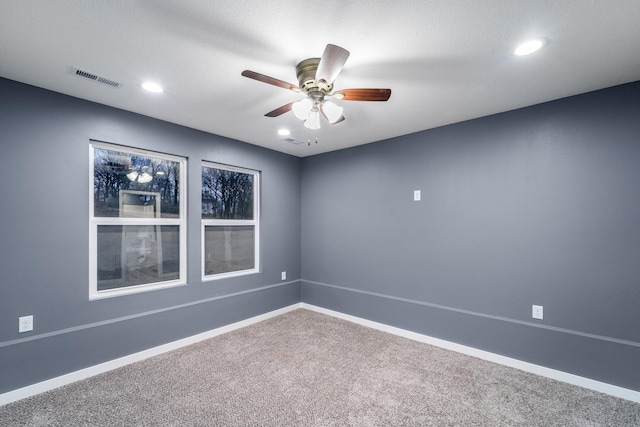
(308, 369)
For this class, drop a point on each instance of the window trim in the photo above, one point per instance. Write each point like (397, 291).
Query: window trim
(94, 222)
(232, 222)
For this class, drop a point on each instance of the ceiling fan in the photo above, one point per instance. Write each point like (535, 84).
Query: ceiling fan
(315, 78)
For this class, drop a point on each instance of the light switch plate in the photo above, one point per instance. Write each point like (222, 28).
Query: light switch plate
(537, 312)
(417, 195)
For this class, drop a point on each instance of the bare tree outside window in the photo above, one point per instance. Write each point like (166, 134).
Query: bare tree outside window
(226, 194)
(229, 221)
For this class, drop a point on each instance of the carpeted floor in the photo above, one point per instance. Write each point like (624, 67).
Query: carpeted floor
(308, 369)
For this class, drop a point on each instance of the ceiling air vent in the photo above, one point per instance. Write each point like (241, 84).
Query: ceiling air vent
(294, 141)
(95, 77)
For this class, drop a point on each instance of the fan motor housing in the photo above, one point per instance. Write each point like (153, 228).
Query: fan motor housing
(306, 73)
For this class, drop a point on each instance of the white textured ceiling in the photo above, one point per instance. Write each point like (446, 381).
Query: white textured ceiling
(445, 61)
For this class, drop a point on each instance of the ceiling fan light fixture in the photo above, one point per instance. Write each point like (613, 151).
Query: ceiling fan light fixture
(313, 121)
(332, 111)
(316, 77)
(301, 108)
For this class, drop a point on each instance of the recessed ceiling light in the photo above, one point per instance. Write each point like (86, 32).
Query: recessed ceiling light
(529, 47)
(152, 87)
(284, 132)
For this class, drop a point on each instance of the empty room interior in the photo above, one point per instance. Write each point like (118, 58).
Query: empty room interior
(457, 173)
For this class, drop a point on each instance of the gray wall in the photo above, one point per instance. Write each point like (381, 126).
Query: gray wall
(44, 235)
(536, 206)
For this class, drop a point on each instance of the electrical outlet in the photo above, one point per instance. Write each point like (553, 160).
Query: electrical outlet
(283, 275)
(417, 195)
(25, 324)
(536, 312)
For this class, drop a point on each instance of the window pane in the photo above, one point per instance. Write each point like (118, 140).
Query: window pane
(229, 248)
(132, 185)
(226, 194)
(130, 255)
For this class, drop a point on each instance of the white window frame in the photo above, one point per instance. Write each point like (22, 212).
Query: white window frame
(233, 222)
(94, 222)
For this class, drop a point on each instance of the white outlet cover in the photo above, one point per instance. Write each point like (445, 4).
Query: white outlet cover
(284, 275)
(25, 324)
(417, 195)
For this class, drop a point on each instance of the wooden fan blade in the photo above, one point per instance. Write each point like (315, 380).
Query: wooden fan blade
(363, 94)
(270, 80)
(331, 63)
(280, 110)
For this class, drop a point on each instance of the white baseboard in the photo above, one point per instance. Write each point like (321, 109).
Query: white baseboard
(554, 374)
(91, 371)
(60, 381)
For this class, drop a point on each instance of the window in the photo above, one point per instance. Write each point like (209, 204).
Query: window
(137, 221)
(230, 221)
